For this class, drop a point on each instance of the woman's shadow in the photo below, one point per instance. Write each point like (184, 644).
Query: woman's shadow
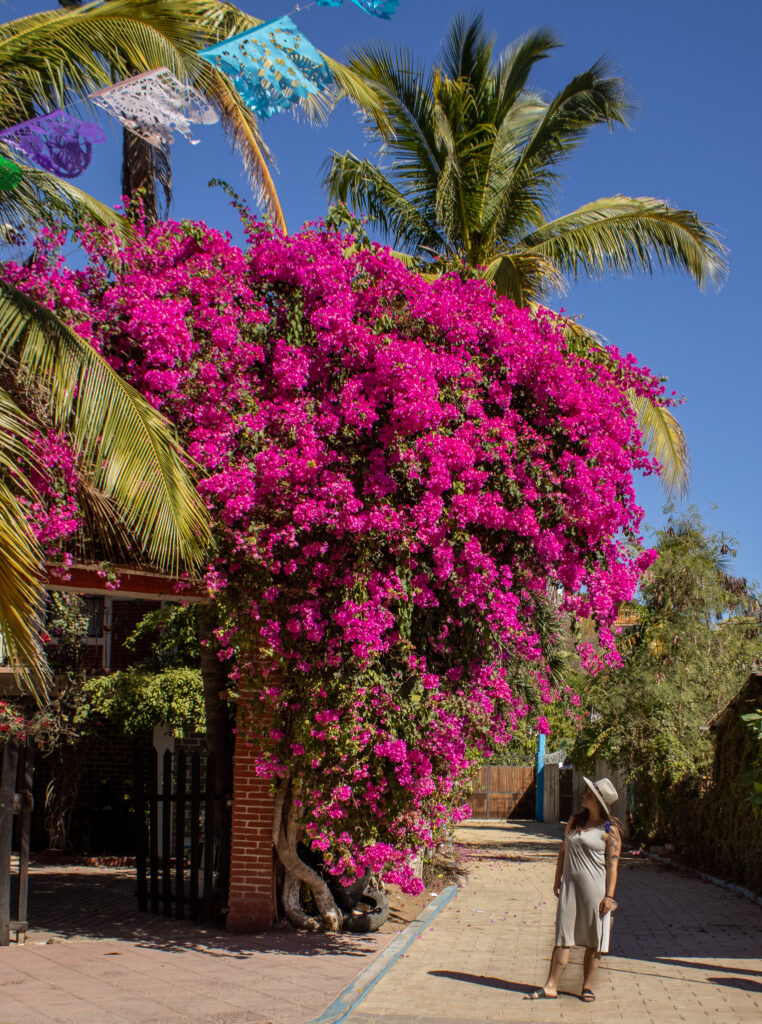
(500, 983)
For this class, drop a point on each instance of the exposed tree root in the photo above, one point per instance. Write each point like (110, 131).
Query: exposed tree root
(285, 832)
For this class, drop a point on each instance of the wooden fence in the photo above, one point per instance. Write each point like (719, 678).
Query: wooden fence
(15, 821)
(504, 791)
(563, 788)
(183, 855)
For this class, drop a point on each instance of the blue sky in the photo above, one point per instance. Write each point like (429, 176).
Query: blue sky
(695, 72)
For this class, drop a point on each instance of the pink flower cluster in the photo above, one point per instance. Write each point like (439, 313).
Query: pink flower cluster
(404, 473)
(52, 510)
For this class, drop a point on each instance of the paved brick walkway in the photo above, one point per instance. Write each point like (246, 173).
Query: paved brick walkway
(91, 958)
(682, 949)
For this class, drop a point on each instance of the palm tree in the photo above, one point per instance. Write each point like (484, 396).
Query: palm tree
(472, 171)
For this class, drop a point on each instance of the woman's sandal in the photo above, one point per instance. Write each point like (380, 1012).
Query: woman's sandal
(588, 996)
(540, 993)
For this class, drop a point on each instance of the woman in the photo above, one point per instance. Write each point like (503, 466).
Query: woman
(586, 873)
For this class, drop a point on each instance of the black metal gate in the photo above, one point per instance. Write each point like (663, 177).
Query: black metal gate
(15, 821)
(184, 827)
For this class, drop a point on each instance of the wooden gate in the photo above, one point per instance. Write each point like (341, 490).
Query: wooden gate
(184, 823)
(504, 791)
(15, 821)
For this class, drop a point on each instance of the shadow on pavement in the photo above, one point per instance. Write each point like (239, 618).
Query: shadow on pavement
(100, 903)
(479, 979)
(508, 840)
(501, 983)
(712, 967)
(746, 984)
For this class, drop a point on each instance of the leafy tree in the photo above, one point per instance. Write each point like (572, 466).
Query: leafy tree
(163, 688)
(138, 698)
(473, 170)
(687, 645)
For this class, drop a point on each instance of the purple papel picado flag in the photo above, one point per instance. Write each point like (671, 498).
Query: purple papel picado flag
(57, 142)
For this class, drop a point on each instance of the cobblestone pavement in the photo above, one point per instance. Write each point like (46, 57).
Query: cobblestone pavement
(92, 958)
(682, 949)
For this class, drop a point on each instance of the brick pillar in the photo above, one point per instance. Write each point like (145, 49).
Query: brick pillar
(251, 854)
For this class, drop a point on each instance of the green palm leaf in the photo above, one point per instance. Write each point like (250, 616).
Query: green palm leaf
(626, 234)
(134, 458)
(41, 196)
(364, 187)
(522, 274)
(21, 593)
(663, 436)
(20, 554)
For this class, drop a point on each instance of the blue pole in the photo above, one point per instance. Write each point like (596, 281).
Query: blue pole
(539, 802)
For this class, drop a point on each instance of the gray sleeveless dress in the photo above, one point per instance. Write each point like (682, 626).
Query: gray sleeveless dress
(583, 886)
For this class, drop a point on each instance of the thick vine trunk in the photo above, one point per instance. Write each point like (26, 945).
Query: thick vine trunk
(285, 831)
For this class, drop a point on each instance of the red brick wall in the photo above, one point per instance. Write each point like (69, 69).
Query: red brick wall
(251, 898)
(125, 616)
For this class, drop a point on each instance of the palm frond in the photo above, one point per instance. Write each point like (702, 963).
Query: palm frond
(521, 275)
(625, 234)
(508, 212)
(242, 130)
(467, 49)
(20, 555)
(57, 57)
(404, 89)
(662, 435)
(133, 455)
(21, 593)
(362, 93)
(514, 66)
(365, 188)
(41, 197)
(17, 432)
(591, 98)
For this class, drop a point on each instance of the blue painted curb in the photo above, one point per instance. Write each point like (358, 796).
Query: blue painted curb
(341, 1007)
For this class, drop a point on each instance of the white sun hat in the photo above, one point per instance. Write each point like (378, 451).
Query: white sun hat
(603, 791)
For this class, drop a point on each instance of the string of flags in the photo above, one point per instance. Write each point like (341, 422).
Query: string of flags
(272, 67)
(378, 8)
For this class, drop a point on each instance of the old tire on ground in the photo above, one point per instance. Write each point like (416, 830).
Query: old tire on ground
(370, 913)
(348, 896)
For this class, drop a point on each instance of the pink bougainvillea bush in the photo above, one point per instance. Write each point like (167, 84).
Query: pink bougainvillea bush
(411, 480)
